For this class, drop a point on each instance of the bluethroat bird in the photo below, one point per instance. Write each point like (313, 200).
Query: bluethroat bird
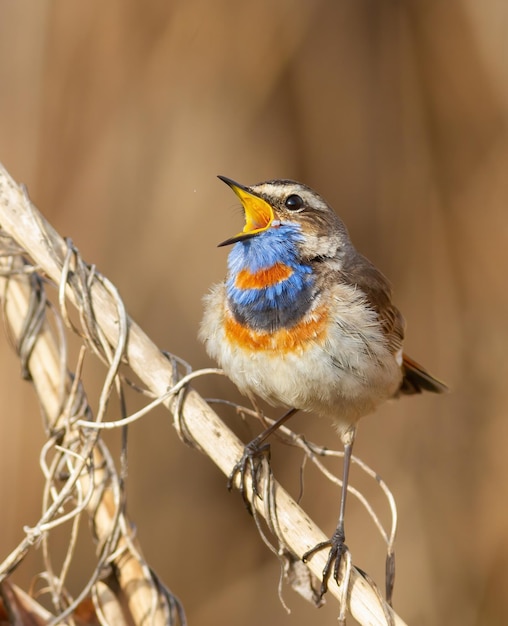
(306, 322)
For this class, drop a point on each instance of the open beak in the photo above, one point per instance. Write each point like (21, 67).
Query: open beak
(258, 213)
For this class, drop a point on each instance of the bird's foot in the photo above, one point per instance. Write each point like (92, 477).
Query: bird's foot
(249, 465)
(337, 548)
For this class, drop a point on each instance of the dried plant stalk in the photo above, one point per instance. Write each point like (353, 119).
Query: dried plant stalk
(295, 531)
(92, 469)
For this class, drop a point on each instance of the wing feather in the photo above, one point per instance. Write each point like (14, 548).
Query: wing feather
(378, 293)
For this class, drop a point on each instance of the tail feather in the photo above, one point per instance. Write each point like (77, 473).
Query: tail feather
(416, 379)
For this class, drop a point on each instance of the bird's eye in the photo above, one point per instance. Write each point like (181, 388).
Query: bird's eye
(294, 202)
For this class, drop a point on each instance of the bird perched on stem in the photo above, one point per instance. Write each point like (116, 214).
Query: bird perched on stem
(304, 321)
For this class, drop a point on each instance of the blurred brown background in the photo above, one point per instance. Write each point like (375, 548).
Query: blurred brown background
(118, 115)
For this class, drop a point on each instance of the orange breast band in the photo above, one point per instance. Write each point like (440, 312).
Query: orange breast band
(312, 328)
(264, 278)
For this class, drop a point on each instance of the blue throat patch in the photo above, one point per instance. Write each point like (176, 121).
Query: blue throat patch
(275, 306)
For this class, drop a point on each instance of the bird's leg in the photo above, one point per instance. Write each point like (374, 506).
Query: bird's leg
(336, 544)
(252, 453)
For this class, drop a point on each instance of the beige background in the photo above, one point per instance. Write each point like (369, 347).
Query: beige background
(118, 115)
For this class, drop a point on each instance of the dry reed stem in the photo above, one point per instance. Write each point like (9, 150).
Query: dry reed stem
(92, 472)
(294, 529)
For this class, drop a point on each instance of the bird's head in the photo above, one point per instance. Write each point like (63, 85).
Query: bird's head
(286, 205)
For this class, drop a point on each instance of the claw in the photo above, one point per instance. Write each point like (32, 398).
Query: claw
(337, 548)
(336, 542)
(250, 463)
(252, 457)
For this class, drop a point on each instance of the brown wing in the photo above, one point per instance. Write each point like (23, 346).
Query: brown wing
(378, 292)
(360, 271)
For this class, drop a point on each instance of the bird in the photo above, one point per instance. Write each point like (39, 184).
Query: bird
(304, 321)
